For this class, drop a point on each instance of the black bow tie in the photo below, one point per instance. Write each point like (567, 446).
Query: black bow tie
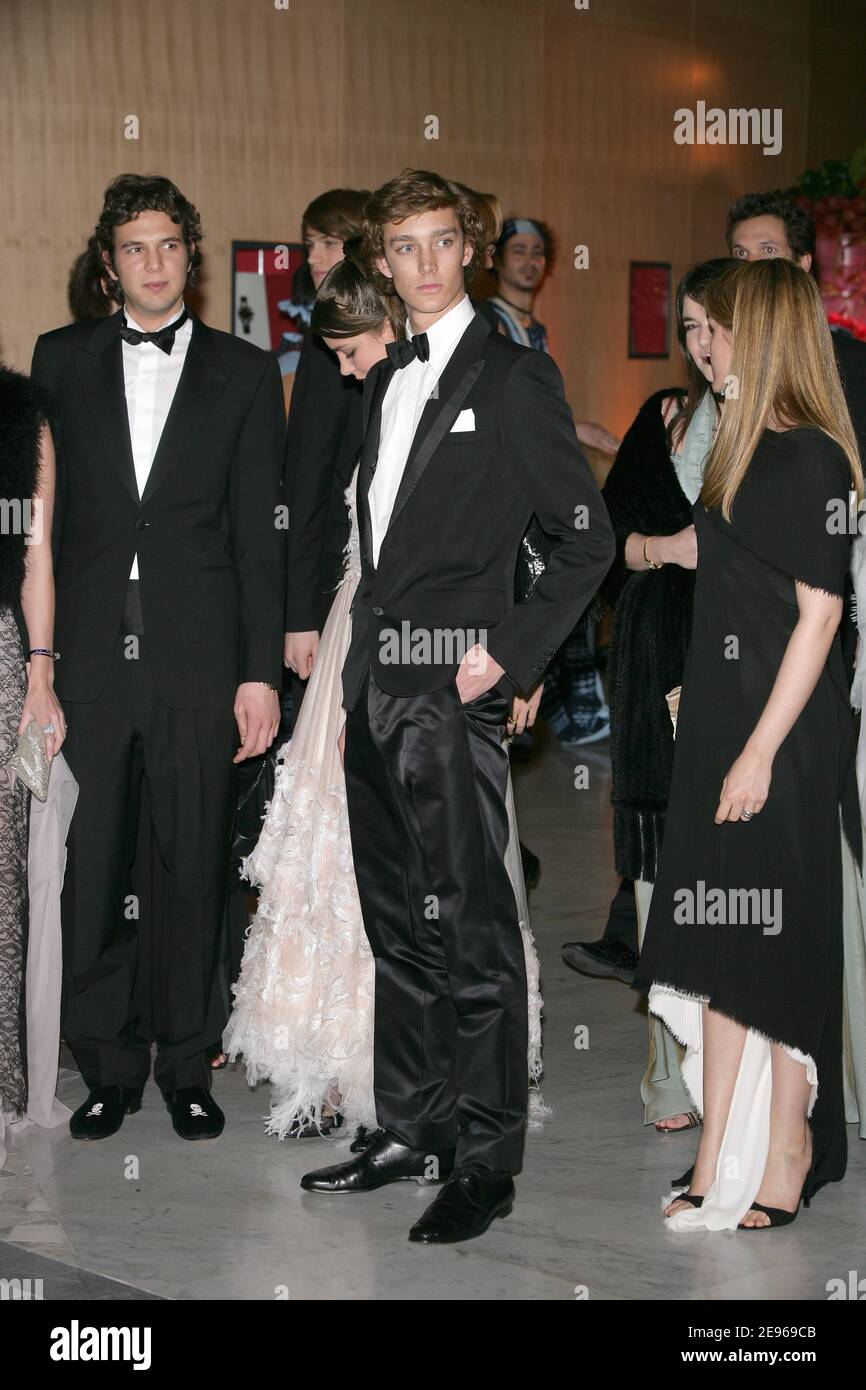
(405, 350)
(163, 337)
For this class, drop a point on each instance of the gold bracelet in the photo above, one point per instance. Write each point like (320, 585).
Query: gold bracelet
(652, 564)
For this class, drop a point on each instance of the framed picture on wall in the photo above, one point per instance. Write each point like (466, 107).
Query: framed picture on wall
(271, 297)
(649, 308)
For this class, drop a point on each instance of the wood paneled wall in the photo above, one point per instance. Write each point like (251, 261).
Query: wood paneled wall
(567, 113)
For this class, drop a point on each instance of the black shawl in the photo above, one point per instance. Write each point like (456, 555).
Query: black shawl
(23, 409)
(652, 623)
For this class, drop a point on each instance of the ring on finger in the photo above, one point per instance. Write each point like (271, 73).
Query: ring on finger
(747, 815)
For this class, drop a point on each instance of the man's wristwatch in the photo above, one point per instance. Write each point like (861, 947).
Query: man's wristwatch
(652, 563)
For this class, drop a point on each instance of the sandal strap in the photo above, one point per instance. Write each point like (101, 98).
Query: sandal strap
(692, 1122)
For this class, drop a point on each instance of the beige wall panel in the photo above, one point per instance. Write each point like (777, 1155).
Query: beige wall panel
(567, 114)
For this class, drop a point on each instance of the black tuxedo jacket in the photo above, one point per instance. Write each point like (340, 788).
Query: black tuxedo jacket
(448, 559)
(851, 361)
(322, 443)
(210, 550)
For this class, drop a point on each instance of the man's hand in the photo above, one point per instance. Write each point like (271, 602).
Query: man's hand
(300, 651)
(477, 673)
(524, 709)
(257, 711)
(597, 437)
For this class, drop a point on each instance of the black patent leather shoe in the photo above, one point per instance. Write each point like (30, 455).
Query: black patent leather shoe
(103, 1111)
(194, 1113)
(385, 1159)
(472, 1197)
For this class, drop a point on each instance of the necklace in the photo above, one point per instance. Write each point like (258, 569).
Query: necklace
(518, 307)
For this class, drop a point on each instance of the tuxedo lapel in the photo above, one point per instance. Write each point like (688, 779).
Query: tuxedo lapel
(370, 453)
(101, 368)
(202, 382)
(461, 372)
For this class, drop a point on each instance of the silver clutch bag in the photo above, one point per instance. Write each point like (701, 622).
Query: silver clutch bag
(30, 762)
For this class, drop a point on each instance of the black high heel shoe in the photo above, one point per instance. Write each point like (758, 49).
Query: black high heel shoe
(313, 1131)
(778, 1215)
(214, 1052)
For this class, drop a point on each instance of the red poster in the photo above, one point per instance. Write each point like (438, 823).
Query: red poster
(649, 303)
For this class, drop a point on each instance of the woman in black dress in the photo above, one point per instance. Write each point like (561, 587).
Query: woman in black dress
(649, 494)
(743, 950)
(26, 693)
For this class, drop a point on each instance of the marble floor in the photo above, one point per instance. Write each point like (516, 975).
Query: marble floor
(227, 1220)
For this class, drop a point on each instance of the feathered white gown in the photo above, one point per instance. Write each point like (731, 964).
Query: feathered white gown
(303, 1011)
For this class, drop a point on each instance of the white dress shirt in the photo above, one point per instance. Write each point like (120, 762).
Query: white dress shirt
(408, 392)
(150, 378)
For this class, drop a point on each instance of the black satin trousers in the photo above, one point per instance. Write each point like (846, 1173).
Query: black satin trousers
(425, 781)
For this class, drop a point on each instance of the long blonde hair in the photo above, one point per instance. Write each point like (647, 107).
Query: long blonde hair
(782, 366)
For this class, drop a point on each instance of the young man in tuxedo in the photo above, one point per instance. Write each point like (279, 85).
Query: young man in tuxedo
(170, 575)
(466, 435)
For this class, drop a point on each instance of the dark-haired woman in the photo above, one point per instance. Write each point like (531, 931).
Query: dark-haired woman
(323, 436)
(649, 494)
(88, 290)
(303, 1014)
(26, 692)
(744, 942)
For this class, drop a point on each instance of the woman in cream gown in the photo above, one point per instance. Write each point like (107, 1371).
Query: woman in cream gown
(303, 1010)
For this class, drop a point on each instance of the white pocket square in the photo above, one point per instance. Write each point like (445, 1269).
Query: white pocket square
(465, 421)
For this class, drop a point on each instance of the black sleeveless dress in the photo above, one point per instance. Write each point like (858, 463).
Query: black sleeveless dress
(772, 961)
(22, 412)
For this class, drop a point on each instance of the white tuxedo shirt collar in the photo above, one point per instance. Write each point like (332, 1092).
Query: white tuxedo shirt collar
(444, 334)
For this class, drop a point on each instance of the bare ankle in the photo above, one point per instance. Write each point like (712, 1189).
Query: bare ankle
(791, 1146)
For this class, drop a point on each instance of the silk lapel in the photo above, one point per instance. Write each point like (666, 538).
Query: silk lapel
(202, 382)
(441, 410)
(372, 432)
(101, 370)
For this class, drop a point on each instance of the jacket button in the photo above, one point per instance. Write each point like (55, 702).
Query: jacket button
(378, 612)
(140, 525)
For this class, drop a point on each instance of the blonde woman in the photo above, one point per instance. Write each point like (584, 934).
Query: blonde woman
(743, 951)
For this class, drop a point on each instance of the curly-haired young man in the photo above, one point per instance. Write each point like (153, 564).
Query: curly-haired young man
(169, 622)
